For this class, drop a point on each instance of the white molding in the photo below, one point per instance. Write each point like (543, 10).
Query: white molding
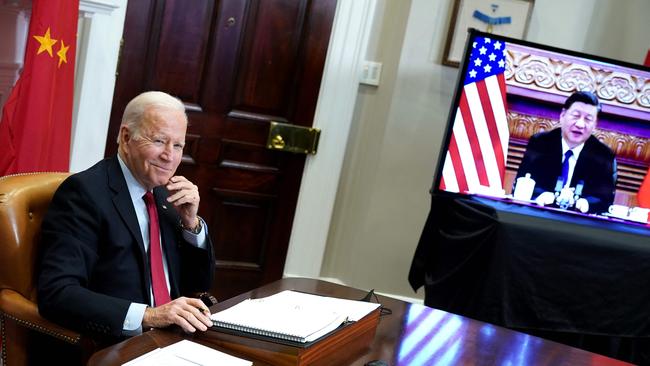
(334, 113)
(97, 53)
(15, 6)
(8, 76)
(88, 8)
(10, 65)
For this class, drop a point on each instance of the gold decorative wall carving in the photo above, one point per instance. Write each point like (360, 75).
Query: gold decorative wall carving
(617, 86)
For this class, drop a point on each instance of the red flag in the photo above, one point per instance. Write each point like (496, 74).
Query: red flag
(478, 148)
(36, 119)
(643, 196)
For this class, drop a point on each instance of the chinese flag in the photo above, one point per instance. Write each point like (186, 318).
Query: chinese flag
(643, 196)
(36, 119)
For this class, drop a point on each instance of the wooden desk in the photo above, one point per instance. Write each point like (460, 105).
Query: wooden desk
(411, 335)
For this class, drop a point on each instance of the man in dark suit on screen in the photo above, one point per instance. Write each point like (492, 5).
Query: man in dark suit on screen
(122, 242)
(570, 156)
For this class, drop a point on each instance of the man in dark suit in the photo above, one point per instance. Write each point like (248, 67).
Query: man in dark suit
(571, 154)
(122, 241)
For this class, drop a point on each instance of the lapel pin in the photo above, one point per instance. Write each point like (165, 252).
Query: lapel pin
(164, 207)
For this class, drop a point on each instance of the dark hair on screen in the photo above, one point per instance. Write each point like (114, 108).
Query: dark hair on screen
(584, 97)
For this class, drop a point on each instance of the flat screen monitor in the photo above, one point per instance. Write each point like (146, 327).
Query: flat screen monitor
(548, 128)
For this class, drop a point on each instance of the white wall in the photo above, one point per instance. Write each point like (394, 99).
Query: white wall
(397, 129)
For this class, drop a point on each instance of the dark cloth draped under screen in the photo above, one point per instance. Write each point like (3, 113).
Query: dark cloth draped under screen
(538, 271)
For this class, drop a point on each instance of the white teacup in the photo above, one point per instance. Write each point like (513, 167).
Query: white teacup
(619, 210)
(639, 214)
(524, 188)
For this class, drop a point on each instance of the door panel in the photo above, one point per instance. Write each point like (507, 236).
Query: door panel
(237, 65)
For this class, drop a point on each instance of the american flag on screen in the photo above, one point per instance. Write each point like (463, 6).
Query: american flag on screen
(479, 141)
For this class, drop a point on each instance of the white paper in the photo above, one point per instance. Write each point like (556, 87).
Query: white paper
(187, 353)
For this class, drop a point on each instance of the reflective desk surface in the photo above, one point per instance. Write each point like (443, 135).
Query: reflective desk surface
(412, 335)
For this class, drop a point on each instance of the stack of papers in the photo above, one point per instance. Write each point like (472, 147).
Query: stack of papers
(187, 353)
(291, 315)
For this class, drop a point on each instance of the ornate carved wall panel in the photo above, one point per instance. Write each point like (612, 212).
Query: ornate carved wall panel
(561, 75)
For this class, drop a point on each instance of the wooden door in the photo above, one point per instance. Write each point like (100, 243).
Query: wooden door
(237, 65)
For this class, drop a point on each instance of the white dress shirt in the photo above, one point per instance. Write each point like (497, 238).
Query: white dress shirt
(133, 321)
(572, 160)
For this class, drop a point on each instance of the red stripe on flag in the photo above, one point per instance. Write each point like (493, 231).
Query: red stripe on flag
(442, 184)
(502, 87)
(459, 172)
(473, 140)
(491, 126)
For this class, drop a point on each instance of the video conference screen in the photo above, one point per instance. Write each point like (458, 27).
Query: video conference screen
(548, 128)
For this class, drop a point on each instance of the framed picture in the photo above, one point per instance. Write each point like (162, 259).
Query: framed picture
(505, 17)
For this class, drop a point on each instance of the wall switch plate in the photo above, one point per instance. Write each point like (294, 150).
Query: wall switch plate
(370, 73)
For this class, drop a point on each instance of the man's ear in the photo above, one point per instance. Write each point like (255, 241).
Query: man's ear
(124, 134)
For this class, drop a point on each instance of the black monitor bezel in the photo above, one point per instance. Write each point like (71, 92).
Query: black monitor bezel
(472, 33)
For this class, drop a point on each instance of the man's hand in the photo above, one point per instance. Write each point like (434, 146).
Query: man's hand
(184, 195)
(545, 198)
(188, 313)
(582, 205)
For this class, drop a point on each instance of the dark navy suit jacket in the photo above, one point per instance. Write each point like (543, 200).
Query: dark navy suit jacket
(596, 167)
(93, 262)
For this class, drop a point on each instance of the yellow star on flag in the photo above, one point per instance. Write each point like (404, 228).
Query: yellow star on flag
(62, 53)
(46, 43)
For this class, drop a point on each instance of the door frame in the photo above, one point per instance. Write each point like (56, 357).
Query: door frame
(334, 112)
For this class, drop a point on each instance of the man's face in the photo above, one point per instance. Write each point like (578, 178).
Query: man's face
(155, 152)
(578, 122)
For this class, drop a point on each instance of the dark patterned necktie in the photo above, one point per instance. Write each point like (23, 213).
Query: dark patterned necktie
(565, 167)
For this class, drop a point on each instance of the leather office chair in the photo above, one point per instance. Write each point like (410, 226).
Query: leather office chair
(23, 202)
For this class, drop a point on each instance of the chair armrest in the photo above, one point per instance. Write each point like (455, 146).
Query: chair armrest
(16, 307)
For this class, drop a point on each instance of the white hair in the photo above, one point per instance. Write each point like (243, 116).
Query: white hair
(136, 108)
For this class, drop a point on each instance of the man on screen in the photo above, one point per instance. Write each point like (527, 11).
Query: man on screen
(122, 241)
(570, 156)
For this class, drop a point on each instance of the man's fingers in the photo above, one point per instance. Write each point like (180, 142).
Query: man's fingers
(192, 320)
(178, 182)
(183, 323)
(189, 195)
(193, 311)
(182, 194)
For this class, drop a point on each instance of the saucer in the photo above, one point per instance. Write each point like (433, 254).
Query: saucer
(622, 217)
(627, 218)
(639, 220)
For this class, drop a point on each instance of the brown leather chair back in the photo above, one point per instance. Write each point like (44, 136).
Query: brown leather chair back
(23, 202)
(24, 199)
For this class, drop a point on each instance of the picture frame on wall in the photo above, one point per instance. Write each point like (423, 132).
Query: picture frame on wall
(503, 17)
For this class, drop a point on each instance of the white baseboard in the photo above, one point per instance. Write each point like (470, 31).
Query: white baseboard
(412, 300)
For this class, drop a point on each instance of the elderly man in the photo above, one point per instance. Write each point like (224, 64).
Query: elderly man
(571, 154)
(122, 241)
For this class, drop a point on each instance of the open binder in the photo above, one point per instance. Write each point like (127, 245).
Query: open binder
(238, 328)
(291, 316)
